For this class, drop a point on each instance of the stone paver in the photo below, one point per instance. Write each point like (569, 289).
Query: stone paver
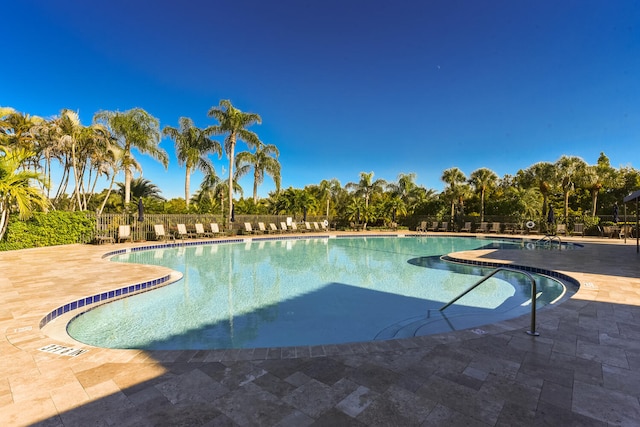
(583, 369)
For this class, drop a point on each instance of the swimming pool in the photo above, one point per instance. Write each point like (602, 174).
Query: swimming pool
(292, 292)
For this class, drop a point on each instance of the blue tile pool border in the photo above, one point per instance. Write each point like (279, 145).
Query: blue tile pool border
(84, 302)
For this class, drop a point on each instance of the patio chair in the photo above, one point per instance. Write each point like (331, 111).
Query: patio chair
(307, 226)
(466, 228)
(160, 233)
(434, 226)
(561, 229)
(495, 227)
(283, 227)
(422, 228)
(262, 228)
(316, 226)
(324, 225)
(182, 232)
(273, 228)
(215, 229)
(483, 228)
(444, 226)
(578, 229)
(200, 231)
(295, 229)
(124, 233)
(625, 231)
(248, 229)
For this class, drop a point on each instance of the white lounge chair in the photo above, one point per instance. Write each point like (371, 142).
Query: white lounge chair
(160, 232)
(124, 233)
(248, 229)
(215, 229)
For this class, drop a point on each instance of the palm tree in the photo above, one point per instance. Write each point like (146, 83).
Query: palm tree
(454, 178)
(483, 179)
(543, 176)
(366, 186)
(329, 190)
(568, 169)
(137, 129)
(233, 122)
(193, 147)
(16, 189)
(141, 187)
(261, 162)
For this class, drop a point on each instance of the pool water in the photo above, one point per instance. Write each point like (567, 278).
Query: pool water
(277, 293)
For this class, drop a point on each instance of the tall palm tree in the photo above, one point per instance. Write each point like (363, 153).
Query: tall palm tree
(568, 169)
(261, 162)
(329, 190)
(137, 129)
(543, 176)
(193, 147)
(366, 186)
(233, 122)
(482, 180)
(455, 178)
(16, 190)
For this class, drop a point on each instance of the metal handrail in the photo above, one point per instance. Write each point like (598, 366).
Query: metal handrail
(534, 293)
(550, 239)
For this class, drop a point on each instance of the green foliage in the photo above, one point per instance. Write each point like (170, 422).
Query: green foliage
(48, 229)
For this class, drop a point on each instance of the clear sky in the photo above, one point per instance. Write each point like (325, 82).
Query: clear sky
(345, 86)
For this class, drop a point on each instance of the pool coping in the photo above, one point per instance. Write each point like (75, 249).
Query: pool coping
(67, 312)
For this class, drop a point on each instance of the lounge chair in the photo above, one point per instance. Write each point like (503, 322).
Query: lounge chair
(578, 229)
(495, 227)
(561, 229)
(273, 228)
(307, 226)
(316, 227)
(262, 228)
(422, 228)
(215, 229)
(434, 226)
(248, 229)
(466, 228)
(160, 233)
(295, 229)
(182, 232)
(483, 228)
(201, 232)
(444, 226)
(124, 233)
(283, 227)
(625, 231)
(323, 225)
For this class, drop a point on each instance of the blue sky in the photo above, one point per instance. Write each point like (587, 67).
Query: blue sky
(345, 87)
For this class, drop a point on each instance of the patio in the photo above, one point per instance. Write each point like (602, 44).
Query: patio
(583, 369)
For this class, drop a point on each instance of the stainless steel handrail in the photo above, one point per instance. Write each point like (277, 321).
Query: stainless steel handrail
(534, 294)
(550, 239)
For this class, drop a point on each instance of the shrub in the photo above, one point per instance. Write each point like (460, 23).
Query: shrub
(48, 229)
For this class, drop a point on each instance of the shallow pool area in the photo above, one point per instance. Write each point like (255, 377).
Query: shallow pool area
(290, 292)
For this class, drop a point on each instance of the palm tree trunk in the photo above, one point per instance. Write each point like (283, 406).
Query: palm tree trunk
(4, 220)
(127, 186)
(232, 146)
(594, 201)
(187, 183)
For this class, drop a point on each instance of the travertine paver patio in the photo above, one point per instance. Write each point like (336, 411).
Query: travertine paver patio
(583, 370)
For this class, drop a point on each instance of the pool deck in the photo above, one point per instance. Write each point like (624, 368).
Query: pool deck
(583, 369)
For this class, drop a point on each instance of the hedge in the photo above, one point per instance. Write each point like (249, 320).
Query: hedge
(48, 229)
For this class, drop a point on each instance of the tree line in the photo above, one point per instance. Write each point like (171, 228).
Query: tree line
(31, 145)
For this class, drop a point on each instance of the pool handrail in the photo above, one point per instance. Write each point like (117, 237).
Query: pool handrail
(493, 273)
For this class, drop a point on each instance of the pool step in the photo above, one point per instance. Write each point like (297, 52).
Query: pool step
(434, 322)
